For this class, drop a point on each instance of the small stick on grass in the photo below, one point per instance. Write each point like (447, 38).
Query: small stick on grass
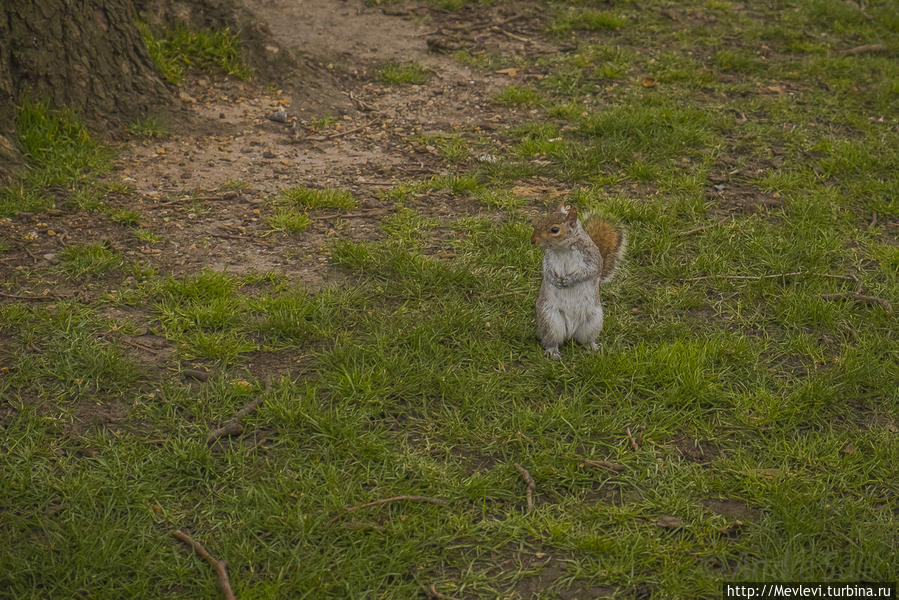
(337, 134)
(631, 439)
(864, 48)
(428, 499)
(861, 298)
(435, 595)
(233, 427)
(195, 374)
(365, 213)
(219, 565)
(505, 294)
(701, 228)
(604, 464)
(25, 297)
(530, 483)
(873, 222)
(746, 277)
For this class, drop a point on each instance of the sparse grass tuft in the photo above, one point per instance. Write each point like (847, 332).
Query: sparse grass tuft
(149, 128)
(289, 220)
(588, 19)
(89, 260)
(177, 51)
(403, 73)
(59, 151)
(514, 95)
(314, 199)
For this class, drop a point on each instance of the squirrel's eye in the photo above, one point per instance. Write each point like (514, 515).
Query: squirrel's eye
(554, 230)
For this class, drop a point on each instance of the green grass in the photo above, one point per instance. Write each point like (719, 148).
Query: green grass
(92, 260)
(403, 73)
(588, 19)
(180, 50)
(291, 207)
(59, 151)
(514, 95)
(289, 220)
(314, 199)
(149, 128)
(765, 412)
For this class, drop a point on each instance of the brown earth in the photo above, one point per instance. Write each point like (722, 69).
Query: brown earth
(205, 188)
(368, 150)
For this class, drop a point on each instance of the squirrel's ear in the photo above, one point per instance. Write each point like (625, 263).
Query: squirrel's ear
(571, 213)
(563, 208)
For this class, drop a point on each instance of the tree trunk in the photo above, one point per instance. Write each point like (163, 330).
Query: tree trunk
(85, 54)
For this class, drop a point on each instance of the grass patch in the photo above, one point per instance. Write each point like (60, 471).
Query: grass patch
(764, 411)
(180, 50)
(59, 151)
(588, 19)
(314, 199)
(288, 220)
(292, 205)
(89, 260)
(403, 73)
(514, 95)
(149, 128)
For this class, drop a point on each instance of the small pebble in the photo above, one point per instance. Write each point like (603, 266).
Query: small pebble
(279, 116)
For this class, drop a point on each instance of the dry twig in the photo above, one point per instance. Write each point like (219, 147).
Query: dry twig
(511, 35)
(219, 565)
(25, 297)
(373, 212)
(746, 277)
(631, 439)
(337, 134)
(428, 499)
(195, 374)
(435, 595)
(860, 298)
(863, 49)
(530, 483)
(233, 427)
(701, 228)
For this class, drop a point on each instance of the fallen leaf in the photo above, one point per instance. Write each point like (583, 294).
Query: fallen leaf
(511, 71)
(669, 522)
(649, 82)
(732, 529)
(848, 448)
(894, 428)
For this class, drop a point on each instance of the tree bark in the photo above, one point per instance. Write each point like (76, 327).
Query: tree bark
(85, 54)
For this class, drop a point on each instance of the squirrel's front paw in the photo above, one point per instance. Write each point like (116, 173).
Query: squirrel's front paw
(554, 353)
(559, 281)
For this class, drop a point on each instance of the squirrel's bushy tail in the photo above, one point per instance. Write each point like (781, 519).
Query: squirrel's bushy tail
(611, 241)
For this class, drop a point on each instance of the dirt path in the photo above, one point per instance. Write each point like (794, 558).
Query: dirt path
(369, 146)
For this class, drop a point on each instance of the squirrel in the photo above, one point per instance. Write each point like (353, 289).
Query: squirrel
(579, 257)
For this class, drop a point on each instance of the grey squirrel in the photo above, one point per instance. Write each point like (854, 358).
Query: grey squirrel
(579, 256)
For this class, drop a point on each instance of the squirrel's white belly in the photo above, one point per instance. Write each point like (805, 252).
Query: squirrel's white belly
(576, 304)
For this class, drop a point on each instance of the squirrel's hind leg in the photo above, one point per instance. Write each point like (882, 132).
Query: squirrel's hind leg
(550, 329)
(590, 328)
